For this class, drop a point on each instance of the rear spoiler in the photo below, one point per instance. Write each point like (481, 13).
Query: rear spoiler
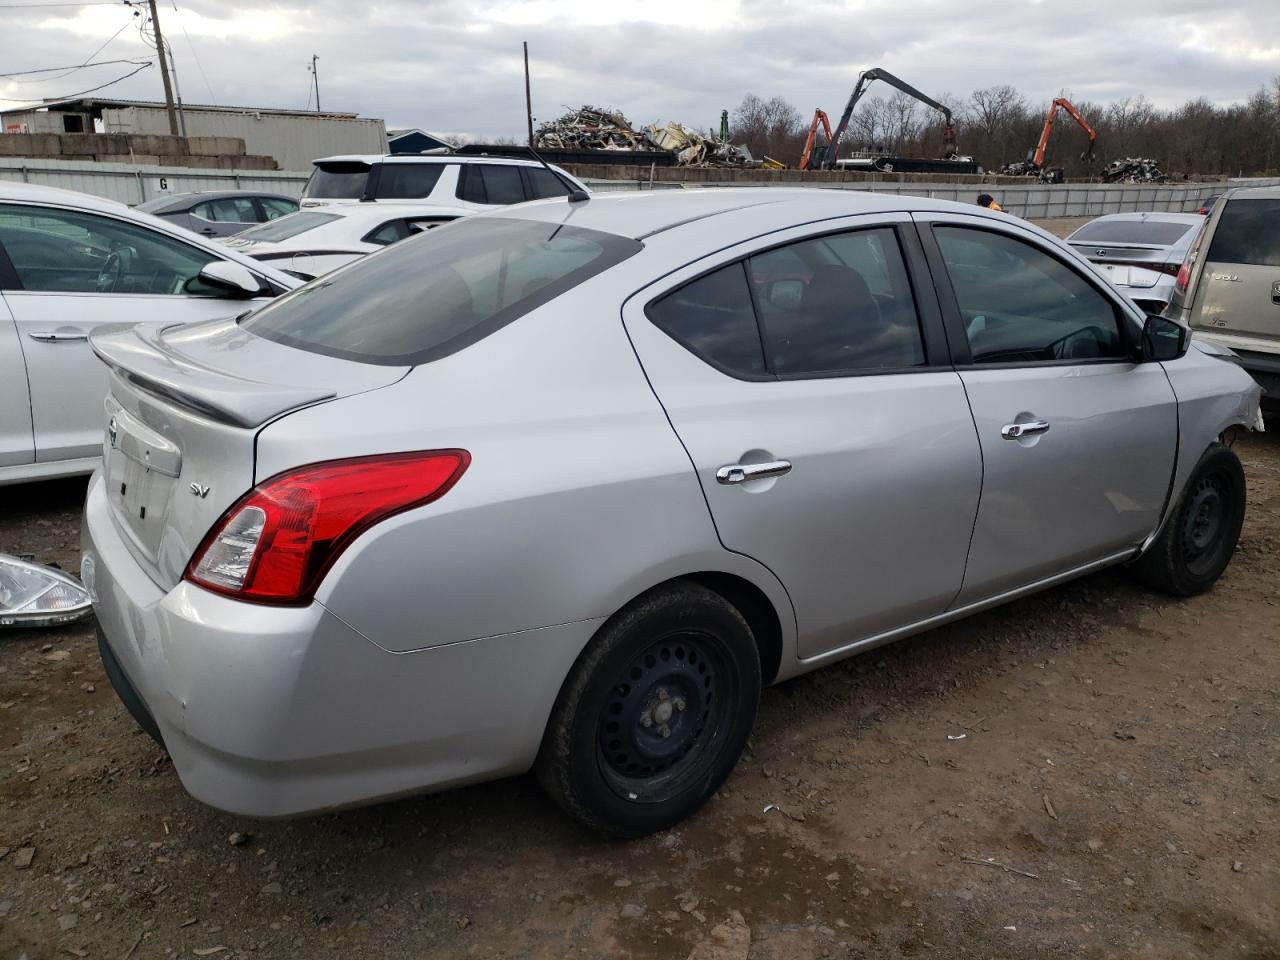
(139, 355)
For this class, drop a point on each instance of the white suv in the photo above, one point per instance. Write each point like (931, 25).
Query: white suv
(471, 182)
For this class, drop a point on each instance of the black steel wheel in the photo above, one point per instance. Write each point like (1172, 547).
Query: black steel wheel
(1200, 537)
(655, 713)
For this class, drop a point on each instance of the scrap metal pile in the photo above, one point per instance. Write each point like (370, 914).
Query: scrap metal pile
(1134, 170)
(596, 128)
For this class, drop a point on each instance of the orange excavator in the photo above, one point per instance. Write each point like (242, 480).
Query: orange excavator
(819, 117)
(1033, 166)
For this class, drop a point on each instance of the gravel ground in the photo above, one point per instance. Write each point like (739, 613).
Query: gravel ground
(1090, 772)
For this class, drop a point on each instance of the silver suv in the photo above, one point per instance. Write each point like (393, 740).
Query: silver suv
(477, 183)
(1228, 289)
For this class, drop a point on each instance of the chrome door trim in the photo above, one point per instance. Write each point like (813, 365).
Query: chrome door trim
(1013, 431)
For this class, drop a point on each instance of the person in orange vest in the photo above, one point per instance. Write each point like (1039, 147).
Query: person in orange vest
(988, 201)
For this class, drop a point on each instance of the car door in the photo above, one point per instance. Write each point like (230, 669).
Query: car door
(17, 446)
(807, 378)
(75, 271)
(1078, 441)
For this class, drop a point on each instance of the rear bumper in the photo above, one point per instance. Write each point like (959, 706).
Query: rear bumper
(1264, 368)
(282, 711)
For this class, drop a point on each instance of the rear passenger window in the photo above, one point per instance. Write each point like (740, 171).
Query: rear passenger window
(491, 183)
(1021, 305)
(544, 183)
(407, 181)
(713, 318)
(1248, 232)
(837, 303)
(388, 233)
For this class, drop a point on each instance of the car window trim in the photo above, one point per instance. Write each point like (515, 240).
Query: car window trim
(957, 338)
(937, 357)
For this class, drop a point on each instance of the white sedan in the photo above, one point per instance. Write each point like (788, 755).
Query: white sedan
(317, 240)
(69, 264)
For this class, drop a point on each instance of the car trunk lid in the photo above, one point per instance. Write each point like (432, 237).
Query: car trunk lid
(184, 409)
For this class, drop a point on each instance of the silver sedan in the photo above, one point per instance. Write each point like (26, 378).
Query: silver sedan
(562, 486)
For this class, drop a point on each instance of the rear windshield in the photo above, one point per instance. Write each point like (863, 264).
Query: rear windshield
(1248, 232)
(337, 181)
(1163, 233)
(287, 226)
(158, 203)
(434, 294)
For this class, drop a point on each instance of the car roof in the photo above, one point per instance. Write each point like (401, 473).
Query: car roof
(423, 158)
(191, 197)
(1254, 193)
(643, 214)
(36, 193)
(1188, 218)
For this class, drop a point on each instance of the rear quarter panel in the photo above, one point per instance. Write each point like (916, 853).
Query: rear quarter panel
(578, 498)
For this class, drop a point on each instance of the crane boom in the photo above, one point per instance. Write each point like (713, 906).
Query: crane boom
(865, 79)
(1064, 104)
(819, 117)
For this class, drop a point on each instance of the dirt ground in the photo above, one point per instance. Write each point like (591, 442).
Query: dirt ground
(1091, 772)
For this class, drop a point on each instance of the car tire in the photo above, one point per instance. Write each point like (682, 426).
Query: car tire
(654, 714)
(1200, 536)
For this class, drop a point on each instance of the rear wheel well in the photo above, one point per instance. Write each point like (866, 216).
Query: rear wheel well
(757, 610)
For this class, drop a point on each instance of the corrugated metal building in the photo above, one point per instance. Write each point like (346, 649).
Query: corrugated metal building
(293, 137)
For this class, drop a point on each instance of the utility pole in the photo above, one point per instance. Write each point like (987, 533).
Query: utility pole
(164, 70)
(177, 89)
(315, 75)
(528, 97)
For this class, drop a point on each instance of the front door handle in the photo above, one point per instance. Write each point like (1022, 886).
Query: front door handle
(1015, 431)
(56, 336)
(741, 472)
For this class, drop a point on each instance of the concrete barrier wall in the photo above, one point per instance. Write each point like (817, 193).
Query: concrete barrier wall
(134, 183)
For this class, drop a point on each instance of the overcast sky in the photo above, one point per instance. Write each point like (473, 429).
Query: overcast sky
(456, 66)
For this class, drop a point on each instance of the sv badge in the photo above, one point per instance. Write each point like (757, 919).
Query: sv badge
(199, 490)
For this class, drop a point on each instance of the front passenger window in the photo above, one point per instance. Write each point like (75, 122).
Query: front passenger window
(1020, 305)
(65, 251)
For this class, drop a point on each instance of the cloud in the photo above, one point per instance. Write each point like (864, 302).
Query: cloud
(457, 66)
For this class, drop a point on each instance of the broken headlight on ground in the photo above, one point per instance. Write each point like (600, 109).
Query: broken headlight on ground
(35, 595)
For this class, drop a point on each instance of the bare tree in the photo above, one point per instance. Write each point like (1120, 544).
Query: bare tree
(771, 127)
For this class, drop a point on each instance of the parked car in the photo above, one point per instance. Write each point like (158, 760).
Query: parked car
(219, 213)
(319, 239)
(473, 183)
(1228, 289)
(1140, 253)
(70, 264)
(1206, 205)
(563, 485)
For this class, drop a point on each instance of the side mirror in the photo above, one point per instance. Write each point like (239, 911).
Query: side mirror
(232, 277)
(1164, 339)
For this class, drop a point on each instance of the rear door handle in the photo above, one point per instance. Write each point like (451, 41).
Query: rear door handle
(1013, 431)
(741, 472)
(54, 336)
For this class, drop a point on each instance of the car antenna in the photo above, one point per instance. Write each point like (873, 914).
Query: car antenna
(576, 193)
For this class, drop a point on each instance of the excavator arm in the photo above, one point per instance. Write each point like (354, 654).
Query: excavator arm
(1063, 103)
(865, 79)
(819, 117)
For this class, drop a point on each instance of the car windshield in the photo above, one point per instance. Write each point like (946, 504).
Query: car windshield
(1159, 233)
(432, 295)
(1248, 232)
(342, 180)
(287, 226)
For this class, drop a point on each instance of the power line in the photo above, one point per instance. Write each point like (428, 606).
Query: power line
(100, 63)
(53, 6)
(81, 93)
(196, 57)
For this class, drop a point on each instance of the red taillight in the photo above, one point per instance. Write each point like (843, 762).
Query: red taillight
(278, 541)
(1184, 277)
